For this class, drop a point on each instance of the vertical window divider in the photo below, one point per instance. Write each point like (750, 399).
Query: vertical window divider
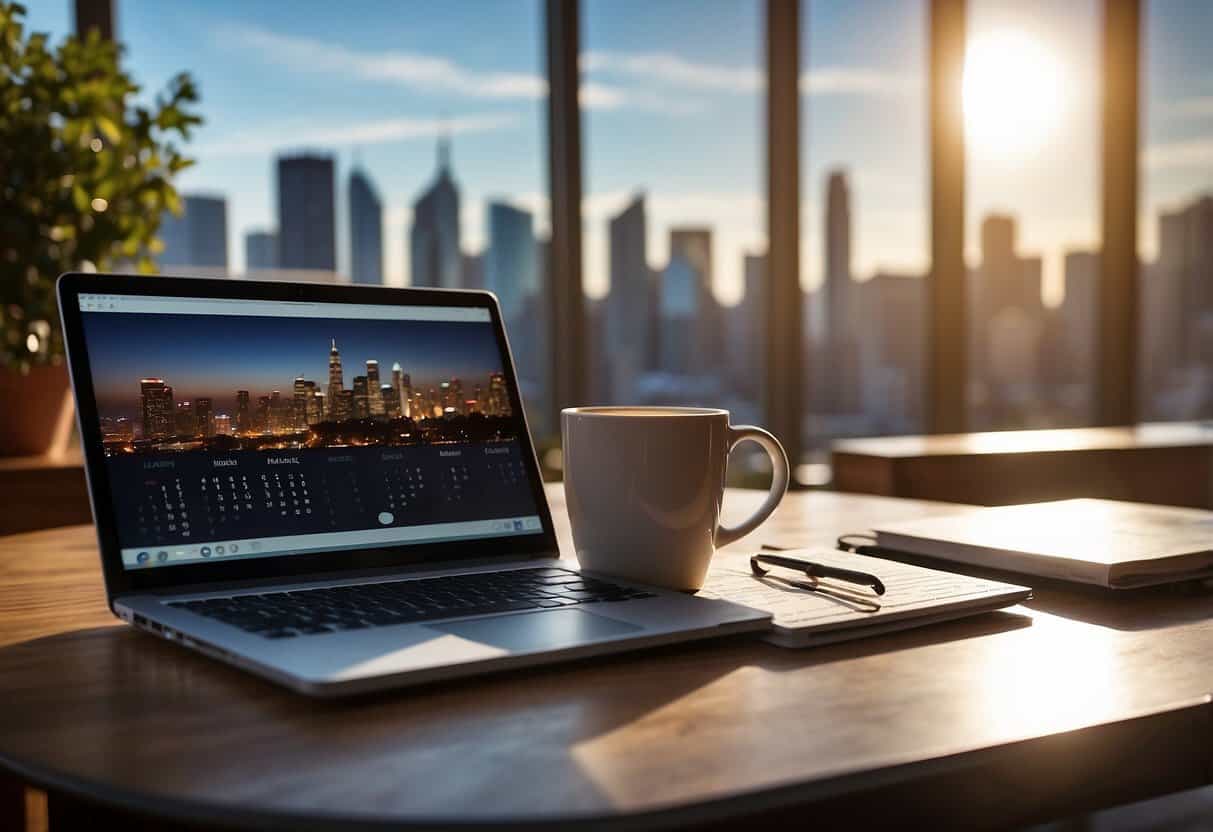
(783, 404)
(1118, 297)
(945, 398)
(566, 296)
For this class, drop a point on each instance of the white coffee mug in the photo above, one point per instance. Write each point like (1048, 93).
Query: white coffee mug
(644, 486)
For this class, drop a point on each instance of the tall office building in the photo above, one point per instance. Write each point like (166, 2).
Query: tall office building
(1185, 259)
(1079, 313)
(260, 251)
(1006, 330)
(403, 385)
(679, 310)
(837, 368)
(303, 403)
(362, 399)
(186, 422)
(893, 350)
(336, 382)
(838, 281)
(366, 230)
(374, 400)
(630, 310)
(472, 271)
(307, 230)
(156, 400)
(315, 410)
(694, 246)
(278, 418)
(243, 421)
(434, 256)
(204, 413)
(747, 351)
(198, 238)
(509, 263)
(389, 401)
(343, 406)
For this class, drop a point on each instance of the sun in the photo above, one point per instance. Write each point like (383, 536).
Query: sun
(1013, 94)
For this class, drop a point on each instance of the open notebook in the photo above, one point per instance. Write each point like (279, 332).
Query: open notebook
(1105, 542)
(914, 596)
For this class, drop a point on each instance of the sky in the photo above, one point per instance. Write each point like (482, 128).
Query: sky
(673, 101)
(215, 355)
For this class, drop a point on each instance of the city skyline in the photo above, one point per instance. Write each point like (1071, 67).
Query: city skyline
(265, 354)
(693, 104)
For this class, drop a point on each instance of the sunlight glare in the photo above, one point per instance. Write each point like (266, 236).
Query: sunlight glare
(1012, 93)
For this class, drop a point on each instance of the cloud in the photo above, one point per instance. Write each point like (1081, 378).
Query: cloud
(1189, 153)
(855, 81)
(672, 70)
(1199, 106)
(410, 69)
(360, 133)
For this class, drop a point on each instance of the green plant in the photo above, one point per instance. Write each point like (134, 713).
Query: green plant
(85, 174)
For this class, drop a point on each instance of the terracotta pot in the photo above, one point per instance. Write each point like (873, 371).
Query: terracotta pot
(35, 411)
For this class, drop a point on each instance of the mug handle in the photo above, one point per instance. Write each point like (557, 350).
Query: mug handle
(779, 480)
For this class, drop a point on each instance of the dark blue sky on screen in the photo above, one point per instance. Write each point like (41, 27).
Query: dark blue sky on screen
(214, 355)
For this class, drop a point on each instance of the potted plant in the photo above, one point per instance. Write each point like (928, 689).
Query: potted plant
(86, 174)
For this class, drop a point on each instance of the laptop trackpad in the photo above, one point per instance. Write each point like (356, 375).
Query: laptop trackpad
(538, 631)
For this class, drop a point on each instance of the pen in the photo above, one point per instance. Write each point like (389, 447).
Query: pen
(816, 570)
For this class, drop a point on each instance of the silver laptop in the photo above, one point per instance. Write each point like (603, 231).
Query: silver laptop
(334, 487)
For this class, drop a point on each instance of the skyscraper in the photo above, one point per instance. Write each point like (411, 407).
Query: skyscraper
(694, 246)
(472, 271)
(307, 231)
(1007, 328)
(838, 284)
(509, 262)
(389, 401)
(335, 379)
(156, 399)
(374, 400)
(302, 404)
(402, 384)
(837, 368)
(1079, 314)
(679, 315)
(748, 350)
(198, 238)
(204, 412)
(362, 400)
(366, 230)
(243, 420)
(434, 256)
(186, 423)
(630, 310)
(260, 251)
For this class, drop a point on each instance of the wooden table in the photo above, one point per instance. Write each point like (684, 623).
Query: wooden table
(41, 492)
(1067, 703)
(1170, 464)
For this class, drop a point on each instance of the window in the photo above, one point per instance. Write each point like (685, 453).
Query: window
(1032, 108)
(1175, 204)
(673, 214)
(388, 146)
(864, 235)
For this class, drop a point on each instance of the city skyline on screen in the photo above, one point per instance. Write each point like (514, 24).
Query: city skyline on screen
(213, 356)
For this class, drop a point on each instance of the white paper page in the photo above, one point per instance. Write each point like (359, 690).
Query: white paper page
(909, 590)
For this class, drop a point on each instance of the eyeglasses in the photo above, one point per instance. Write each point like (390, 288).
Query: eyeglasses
(815, 571)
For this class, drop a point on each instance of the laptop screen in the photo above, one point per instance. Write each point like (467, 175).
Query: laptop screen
(247, 428)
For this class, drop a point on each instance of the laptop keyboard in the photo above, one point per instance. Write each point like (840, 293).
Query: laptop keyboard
(359, 606)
